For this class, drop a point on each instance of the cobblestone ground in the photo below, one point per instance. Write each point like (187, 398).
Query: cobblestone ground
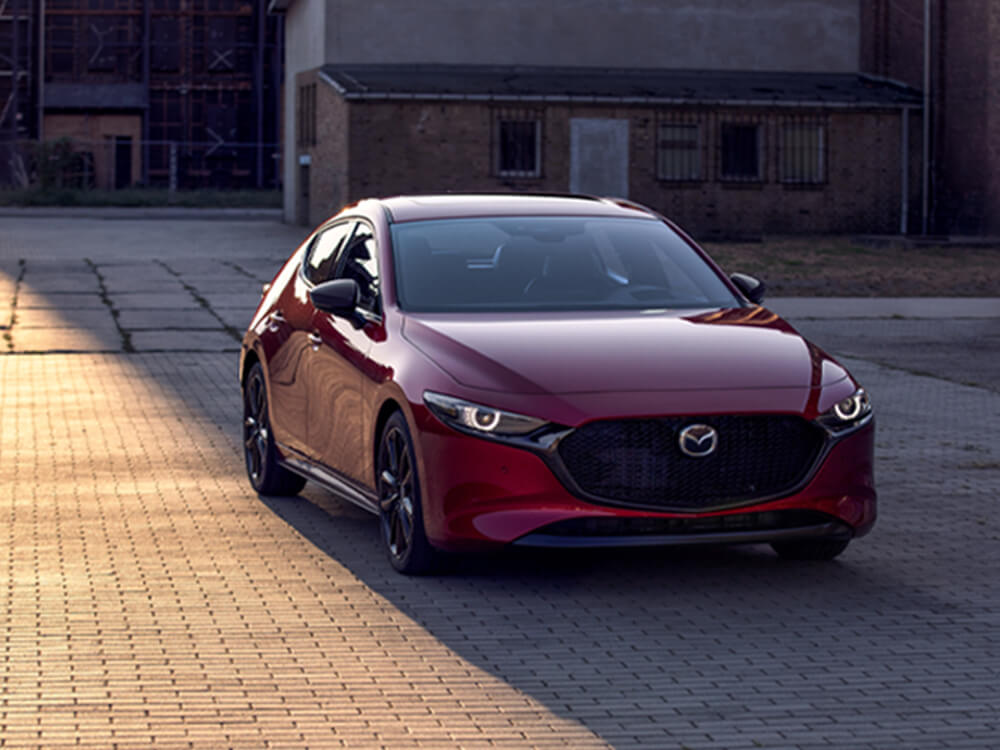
(147, 597)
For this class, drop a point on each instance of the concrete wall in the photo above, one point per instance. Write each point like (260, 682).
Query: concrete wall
(966, 96)
(402, 147)
(304, 50)
(805, 35)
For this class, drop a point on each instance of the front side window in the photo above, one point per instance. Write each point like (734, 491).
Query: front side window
(324, 252)
(525, 264)
(740, 158)
(359, 262)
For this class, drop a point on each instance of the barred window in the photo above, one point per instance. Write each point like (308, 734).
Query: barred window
(679, 151)
(518, 147)
(740, 145)
(802, 158)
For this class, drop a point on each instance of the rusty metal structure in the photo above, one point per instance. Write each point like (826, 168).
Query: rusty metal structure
(185, 93)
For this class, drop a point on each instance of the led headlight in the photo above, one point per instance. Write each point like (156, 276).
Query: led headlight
(476, 418)
(852, 411)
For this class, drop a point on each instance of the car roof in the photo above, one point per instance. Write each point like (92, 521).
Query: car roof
(459, 206)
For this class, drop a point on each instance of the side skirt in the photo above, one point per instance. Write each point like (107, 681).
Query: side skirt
(330, 480)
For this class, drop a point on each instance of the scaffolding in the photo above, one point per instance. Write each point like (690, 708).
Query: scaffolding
(18, 89)
(191, 88)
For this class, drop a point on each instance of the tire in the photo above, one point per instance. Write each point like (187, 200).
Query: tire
(401, 518)
(266, 475)
(810, 549)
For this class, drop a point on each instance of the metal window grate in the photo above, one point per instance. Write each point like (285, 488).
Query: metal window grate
(517, 142)
(802, 152)
(679, 150)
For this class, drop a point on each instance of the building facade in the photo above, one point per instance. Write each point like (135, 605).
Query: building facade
(735, 118)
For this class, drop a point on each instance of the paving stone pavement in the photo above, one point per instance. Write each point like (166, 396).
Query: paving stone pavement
(149, 598)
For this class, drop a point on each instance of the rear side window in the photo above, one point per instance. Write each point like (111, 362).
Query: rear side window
(323, 253)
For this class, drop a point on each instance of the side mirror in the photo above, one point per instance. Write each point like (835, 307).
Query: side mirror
(753, 289)
(338, 297)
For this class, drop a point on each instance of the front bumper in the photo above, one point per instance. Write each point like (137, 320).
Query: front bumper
(479, 493)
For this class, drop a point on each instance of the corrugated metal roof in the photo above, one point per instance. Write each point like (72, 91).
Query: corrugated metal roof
(616, 85)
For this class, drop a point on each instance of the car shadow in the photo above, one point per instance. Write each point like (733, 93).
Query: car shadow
(718, 635)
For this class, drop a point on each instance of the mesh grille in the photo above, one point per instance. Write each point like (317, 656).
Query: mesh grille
(639, 461)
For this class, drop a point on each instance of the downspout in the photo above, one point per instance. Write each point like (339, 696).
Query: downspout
(904, 172)
(147, 27)
(258, 75)
(41, 71)
(925, 159)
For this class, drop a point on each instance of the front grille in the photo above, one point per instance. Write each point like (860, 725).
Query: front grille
(639, 461)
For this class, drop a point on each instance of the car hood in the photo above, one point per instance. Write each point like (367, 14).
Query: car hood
(561, 353)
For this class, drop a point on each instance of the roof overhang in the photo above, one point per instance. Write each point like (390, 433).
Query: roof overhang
(617, 86)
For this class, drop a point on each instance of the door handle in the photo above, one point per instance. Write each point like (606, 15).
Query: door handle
(315, 339)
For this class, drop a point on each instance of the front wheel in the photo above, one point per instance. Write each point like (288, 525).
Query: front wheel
(401, 517)
(810, 549)
(266, 475)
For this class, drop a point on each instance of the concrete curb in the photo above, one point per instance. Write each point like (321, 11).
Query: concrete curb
(885, 307)
(171, 213)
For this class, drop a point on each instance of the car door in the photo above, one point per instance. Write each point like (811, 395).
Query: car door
(289, 325)
(337, 423)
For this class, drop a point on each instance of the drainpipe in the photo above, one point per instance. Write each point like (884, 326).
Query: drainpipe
(925, 188)
(904, 172)
(41, 71)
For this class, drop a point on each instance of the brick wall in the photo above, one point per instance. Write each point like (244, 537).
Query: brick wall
(328, 152)
(403, 147)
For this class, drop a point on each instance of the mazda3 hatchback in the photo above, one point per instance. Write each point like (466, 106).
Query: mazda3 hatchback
(547, 371)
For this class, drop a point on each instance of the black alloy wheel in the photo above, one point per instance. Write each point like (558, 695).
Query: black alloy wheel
(400, 512)
(266, 475)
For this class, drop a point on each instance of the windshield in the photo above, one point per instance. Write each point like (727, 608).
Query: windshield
(549, 263)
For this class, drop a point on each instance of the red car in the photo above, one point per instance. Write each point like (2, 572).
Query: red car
(554, 371)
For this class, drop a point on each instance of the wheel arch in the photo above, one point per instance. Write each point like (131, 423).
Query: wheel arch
(249, 360)
(389, 407)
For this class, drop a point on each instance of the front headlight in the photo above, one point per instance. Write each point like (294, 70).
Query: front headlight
(851, 412)
(478, 419)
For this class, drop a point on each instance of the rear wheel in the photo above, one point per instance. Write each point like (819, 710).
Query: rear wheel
(401, 517)
(266, 475)
(810, 549)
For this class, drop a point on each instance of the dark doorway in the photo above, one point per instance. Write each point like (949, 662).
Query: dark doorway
(123, 161)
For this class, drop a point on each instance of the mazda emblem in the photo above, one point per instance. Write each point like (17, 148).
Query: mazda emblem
(698, 440)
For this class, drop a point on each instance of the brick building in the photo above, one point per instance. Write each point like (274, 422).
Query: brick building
(734, 118)
(964, 97)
